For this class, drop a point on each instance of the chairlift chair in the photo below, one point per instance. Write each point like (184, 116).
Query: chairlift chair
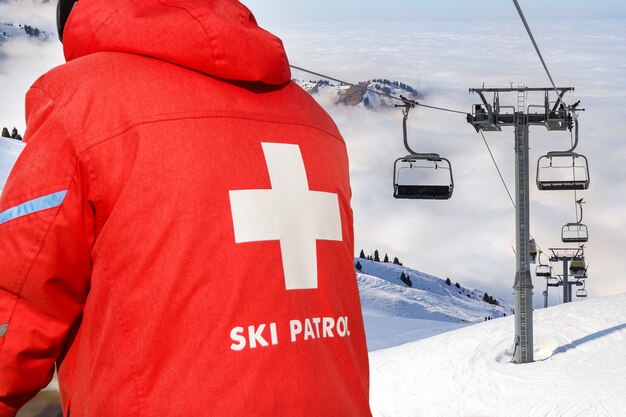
(575, 232)
(542, 270)
(578, 268)
(563, 170)
(421, 176)
(581, 293)
(533, 251)
(554, 281)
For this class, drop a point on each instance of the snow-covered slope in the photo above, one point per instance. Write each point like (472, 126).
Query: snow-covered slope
(580, 361)
(429, 298)
(9, 151)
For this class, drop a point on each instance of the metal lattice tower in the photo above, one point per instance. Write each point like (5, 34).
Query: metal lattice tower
(491, 117)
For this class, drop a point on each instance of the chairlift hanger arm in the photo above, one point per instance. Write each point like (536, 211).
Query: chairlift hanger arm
(580, 205)
(570, 151)
(407, 106)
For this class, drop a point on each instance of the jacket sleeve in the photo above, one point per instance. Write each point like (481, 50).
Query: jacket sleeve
(46, 235)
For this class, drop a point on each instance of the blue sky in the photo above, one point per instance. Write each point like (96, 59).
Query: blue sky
(420, 10)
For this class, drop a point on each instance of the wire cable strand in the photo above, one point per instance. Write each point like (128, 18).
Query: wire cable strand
(495, 163)
(532, 38)
(497, 168)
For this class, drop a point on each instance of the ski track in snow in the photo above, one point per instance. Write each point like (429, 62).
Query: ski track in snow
(580, 359)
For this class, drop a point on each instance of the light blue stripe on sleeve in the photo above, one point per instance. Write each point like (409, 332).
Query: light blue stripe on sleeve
(38, 204)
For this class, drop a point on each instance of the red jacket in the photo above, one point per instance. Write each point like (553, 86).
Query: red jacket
(177, 234)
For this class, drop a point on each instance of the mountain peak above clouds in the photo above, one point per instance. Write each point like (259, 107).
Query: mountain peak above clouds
(9, 31)
(361, 94)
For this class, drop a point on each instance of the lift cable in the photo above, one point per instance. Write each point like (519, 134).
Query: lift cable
(415, 103)
(532, 38)
(497, 168)
(495, 163)
(381, 93)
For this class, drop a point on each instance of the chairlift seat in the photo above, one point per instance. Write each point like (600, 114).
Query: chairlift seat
(578, 268)
(543, 270)
(423, 192)
(562, 171)
(423, 177)
(563, 185)
(581, 292)
(574, 233)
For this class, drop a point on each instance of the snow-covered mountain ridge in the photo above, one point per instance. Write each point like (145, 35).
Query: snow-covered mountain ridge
(10, 30)
(361, 94)
(383, 293)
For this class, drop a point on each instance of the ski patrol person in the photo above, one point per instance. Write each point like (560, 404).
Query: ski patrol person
(177, 234)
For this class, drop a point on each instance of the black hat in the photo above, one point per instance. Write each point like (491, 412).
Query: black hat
(64, 7)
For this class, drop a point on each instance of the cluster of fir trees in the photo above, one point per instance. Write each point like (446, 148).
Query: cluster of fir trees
(406, 279)
(396, 84)
(489, 299)
(450, 283)
(320, 82)
(376, 257)
(32, 31)
(13, 135)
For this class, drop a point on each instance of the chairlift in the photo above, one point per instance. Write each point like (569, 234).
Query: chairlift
(578, 268)
(563, 170)
(533, 251)
(553, 282)
(543, 270)
(581, 292)
(575, 232)
(423, 176)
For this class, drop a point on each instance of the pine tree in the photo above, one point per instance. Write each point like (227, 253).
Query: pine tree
(448, 281)
(358, 266)
(396, 261)
(386, 260)
(5, 133)
(376, 258)
(15, 135)
(406, 279)
(457, 285)
(362, 254)
(486, 297)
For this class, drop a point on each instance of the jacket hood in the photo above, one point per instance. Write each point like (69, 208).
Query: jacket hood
(217, 37)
